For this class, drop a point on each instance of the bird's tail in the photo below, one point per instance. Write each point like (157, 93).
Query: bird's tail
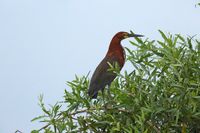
(92, 94)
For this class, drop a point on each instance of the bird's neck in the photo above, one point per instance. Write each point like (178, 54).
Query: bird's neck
(115, 46)
(115, 49)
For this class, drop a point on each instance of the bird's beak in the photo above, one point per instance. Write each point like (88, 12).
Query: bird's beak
(134, 35)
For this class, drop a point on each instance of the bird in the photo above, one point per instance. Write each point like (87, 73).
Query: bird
(115, 54)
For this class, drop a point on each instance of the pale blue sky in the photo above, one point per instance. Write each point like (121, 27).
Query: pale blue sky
(44, 43)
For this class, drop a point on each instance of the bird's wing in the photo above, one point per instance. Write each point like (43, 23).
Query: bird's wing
(102, 76)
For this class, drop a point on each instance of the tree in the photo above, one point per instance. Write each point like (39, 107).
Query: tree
(161, 94)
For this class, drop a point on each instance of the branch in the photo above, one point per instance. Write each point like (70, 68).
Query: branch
(82, 111)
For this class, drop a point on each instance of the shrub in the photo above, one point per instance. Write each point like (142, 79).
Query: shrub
(161, 94)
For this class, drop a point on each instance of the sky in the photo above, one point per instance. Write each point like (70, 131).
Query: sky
(44, 43)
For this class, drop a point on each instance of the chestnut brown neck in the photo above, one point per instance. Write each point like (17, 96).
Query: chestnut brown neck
(115, 49)
(115, 46)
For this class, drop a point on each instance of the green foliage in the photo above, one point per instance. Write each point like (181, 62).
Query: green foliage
(198, 4)
(161, 94)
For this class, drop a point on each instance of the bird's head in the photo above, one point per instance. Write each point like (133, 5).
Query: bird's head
(123, 35)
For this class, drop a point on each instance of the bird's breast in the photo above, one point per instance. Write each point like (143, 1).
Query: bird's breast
(116, 50)
(119, 57)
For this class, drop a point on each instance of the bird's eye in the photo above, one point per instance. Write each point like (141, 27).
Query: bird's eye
(125, 35)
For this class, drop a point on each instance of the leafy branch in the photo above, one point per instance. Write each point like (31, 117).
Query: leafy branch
(160, 94)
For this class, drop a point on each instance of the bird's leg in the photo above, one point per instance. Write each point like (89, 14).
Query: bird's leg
(109, 94)
(108, 98)
(102, 93)
(104, 102)
(103, 96)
